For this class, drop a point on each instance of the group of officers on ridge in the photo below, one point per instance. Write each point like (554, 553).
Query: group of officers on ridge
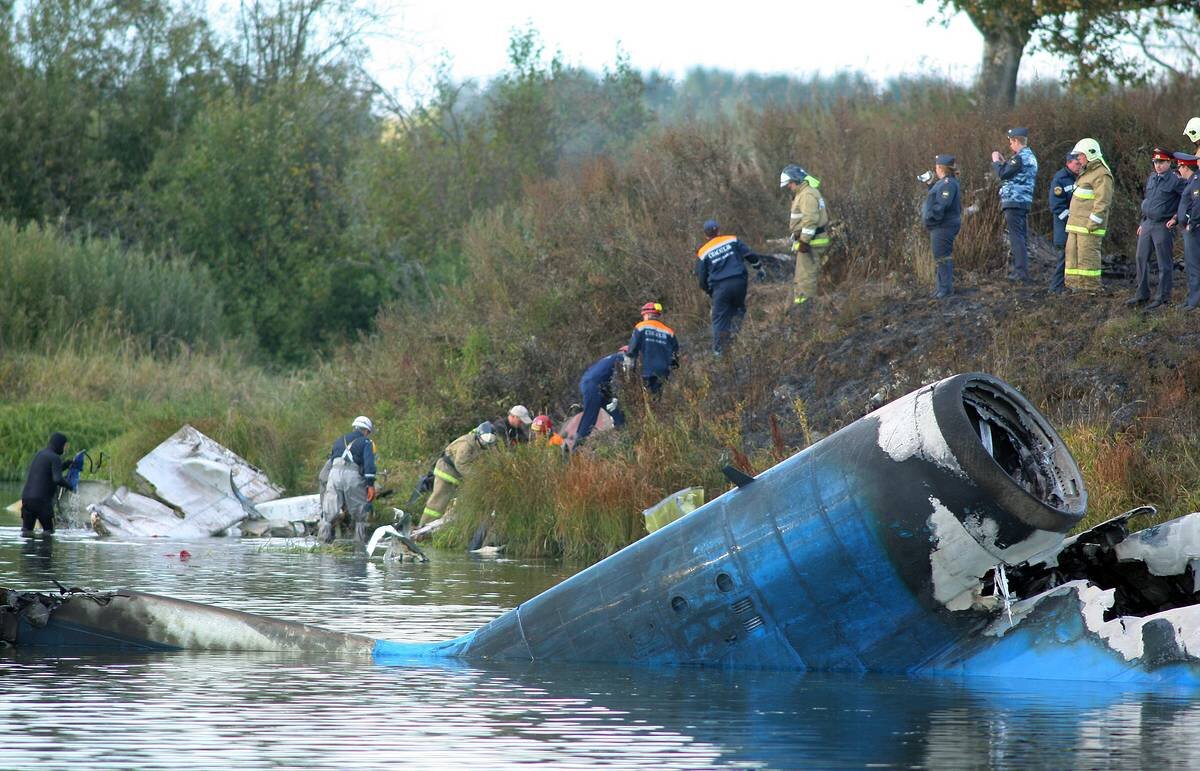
(1080, 200)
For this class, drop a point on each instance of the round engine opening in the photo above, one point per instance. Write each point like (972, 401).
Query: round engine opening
(1024, 446)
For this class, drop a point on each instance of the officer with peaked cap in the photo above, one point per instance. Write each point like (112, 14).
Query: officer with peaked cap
(1155, 232)
(1017, 176)
(941, 215)
(1187, 222)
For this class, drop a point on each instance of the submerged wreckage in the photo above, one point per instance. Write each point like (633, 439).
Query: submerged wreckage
(926, 538)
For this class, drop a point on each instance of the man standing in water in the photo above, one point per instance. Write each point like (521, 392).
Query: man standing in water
(41, 484)
(351, 484)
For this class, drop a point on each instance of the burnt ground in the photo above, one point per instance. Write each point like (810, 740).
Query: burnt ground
(1076, 357)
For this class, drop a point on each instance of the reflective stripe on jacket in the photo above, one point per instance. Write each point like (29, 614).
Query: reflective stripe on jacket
(1092, 200)
(809, 217)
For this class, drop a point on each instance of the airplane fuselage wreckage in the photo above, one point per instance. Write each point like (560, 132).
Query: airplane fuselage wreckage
(927, 537)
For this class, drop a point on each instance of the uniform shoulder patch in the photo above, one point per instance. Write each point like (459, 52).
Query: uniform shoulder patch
(1058, 190)
(945, 194)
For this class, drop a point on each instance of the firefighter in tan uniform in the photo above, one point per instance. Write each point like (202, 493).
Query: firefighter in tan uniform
(808, 225)
(1087, 221)
(449, 469)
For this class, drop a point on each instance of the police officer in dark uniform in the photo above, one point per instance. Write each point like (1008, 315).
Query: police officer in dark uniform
(942, 216)
(1061, 189)
(41, 485)
(722, 274)
(1163, 188)
(1187, 221)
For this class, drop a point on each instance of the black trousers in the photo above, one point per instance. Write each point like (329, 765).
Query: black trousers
(37, 511)
(728, 309)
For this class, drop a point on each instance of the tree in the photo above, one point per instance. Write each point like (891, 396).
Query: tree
(1082, 30)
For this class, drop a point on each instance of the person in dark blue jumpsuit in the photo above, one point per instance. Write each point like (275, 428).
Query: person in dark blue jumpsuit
(1187, 221)
(721, 271)
(1062, 187)
(942, 216)
(1017, 176)
(655, 343)
(596, 389)
(42, 482)
(1163, 188)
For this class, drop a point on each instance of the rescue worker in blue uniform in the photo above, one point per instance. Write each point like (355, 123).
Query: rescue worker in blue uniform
(655, 343)
(596, 389)
(721, 271)
(1187, 221)
(1163, 188)
(42, 483)
(1061, 189)
(942, 216)
(1017, 175)
(351, 481)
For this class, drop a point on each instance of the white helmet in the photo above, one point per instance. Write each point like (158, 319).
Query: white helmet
(486, 433)
(1192, 129)
(362, 421)
(1089, 147)
(792, 173)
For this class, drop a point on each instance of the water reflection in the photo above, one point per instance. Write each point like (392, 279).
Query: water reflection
(260, 711)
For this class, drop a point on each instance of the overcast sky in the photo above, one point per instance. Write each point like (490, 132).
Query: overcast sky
(882, 38)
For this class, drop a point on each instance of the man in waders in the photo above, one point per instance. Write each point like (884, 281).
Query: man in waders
(351, 481)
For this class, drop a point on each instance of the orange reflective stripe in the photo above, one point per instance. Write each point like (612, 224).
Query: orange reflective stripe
(713, 243)
(656, 324)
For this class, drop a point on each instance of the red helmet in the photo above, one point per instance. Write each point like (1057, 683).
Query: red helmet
(655, 308)
(542, 425)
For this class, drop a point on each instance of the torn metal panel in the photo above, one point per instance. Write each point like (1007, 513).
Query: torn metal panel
(126, 513)
(193, 474)
(284, 517)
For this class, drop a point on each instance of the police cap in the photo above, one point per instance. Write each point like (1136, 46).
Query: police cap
(1160, 154)
(1186, 159)
(944, 160)
(1020, 131)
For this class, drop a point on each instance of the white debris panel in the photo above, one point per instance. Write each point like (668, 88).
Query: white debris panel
(191, 472)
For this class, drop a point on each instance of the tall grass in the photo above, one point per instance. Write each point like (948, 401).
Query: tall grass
(55, 285)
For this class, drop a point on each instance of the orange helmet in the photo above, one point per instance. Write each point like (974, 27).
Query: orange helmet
(655, 308)
(542, 425)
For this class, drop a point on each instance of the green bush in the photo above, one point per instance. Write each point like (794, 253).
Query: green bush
(57, 285)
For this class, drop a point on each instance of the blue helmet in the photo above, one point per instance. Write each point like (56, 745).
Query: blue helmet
(792, 173)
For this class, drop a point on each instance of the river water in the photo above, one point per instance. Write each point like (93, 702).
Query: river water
(150, 711)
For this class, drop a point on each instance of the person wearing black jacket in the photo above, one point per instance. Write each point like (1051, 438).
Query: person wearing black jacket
(941, 214)
(41, 484)
(721, 271)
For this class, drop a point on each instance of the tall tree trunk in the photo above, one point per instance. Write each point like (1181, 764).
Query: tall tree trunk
(1002, 50)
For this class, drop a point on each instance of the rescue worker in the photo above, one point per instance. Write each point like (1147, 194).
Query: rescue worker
(1087, 221)
(596, 390)
(1061, 189)
(1017, 175)
(942, 216)
(449, 469)
(721, 271)
(514, 428)
(543, 429)
(1187, 221)
(44, 478)
(1192, 132)
(655, 343)
(351, 481)
(1163, 187)
(808, 225)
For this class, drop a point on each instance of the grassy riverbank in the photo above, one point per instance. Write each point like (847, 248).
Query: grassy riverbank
(551, 280)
